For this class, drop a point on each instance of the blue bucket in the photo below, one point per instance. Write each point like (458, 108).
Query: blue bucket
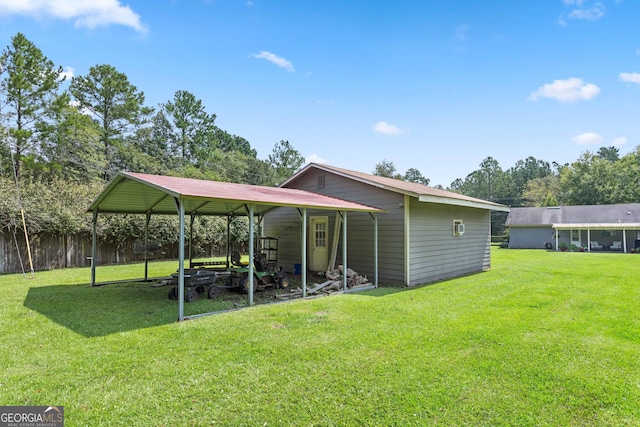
(297, 269)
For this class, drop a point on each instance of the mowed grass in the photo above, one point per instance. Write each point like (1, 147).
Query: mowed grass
(544, 338)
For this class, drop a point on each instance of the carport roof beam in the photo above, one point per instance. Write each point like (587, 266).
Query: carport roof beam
(136, 193)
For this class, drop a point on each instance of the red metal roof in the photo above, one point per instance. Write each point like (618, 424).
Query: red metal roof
(141, 193)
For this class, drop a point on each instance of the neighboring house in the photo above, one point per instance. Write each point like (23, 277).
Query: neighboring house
(425, 235)
(590, 227)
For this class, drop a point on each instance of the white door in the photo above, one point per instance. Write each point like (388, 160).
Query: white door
(575, 238)
(318, 243)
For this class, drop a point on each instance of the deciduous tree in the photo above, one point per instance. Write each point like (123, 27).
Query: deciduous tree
(590, 180)
(544, 191)
(611, 154)
(517, 177)
(628, 177)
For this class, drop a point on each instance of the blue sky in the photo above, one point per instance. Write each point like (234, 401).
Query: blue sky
(435, 85)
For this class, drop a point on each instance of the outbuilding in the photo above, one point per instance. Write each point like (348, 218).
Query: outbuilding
(427, 234)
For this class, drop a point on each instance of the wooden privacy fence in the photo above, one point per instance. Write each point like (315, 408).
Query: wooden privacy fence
(51, 251)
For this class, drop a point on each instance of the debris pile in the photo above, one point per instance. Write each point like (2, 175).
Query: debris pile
(333, 284)
(353, 278)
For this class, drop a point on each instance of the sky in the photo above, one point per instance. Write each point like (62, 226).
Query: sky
(433, 85)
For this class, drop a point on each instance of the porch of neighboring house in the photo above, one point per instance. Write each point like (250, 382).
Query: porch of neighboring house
(597, 237)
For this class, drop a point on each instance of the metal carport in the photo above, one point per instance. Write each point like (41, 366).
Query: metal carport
(144, 194)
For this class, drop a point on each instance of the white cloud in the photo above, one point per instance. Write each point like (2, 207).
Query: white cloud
(570, 90)
(84, 13)
(630, 77)
(588, 138)
(76, 104)
(279, 61)
(314, 158)
(67, 74)
(387, 129)
(586, 10)
(620, 141)
(590, 14)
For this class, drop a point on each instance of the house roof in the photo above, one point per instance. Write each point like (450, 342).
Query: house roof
(586, 216)
(139, 193)
(423, 193)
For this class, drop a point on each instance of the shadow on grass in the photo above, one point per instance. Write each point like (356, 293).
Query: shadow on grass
(104, 310)
(388, 289)
(99, 311)
(384, 290)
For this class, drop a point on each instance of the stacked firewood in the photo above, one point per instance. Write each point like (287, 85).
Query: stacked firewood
(334, 282)
(353, 278)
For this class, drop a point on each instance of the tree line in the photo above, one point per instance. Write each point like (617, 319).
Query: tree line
(595, 178)
(58, 148)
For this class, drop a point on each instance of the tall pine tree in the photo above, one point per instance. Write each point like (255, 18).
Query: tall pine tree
(29, 95)
(115, 103)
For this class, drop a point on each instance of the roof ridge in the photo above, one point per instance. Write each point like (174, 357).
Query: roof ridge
(405, 187)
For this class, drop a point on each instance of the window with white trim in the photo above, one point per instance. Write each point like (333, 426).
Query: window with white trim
(458, 227)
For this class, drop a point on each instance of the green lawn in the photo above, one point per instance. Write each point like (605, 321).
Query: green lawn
(544, 338)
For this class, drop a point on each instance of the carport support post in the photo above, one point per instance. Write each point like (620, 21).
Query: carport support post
(191, 219)
(146, 246)
(251, 267)
(228, 239)
(180, 206)
(344, 251)
(375, 249)
(304, 252)
(94, 246)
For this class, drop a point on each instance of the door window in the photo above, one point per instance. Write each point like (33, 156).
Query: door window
(321, 234)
